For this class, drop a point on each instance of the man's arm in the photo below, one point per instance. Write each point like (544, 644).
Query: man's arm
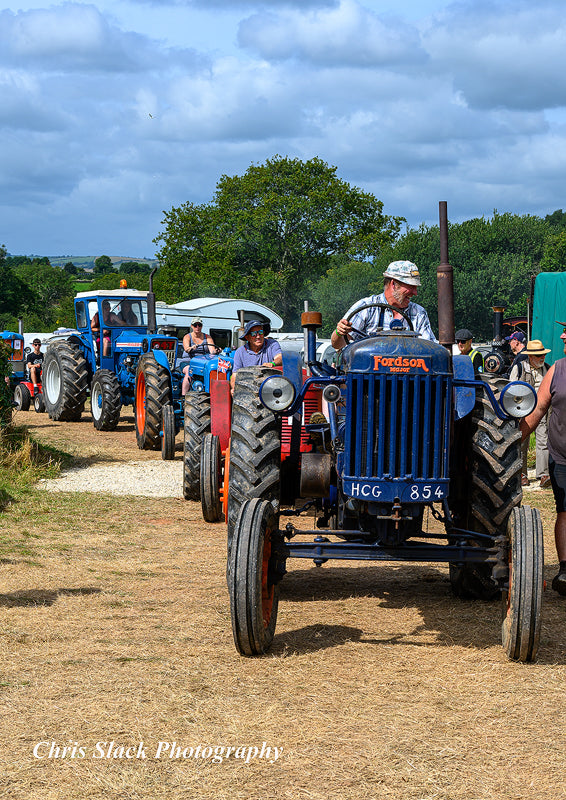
(528, 424)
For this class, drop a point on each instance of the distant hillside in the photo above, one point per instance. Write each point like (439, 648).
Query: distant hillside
(87, 262)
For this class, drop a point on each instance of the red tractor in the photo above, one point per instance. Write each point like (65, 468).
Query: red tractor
(223, 478)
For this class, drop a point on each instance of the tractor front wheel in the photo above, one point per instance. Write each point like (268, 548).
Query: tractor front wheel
(495, 490)
(168, 440)
(105, 400)
(253, 579)
(22, 397)
(211, 478)
(197, 425)
(522, 602)
(255, 446)
(153, 392)
(64, 381)
(39, 403)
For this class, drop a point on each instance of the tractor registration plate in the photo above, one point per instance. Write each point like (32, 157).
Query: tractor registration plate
(387, 491)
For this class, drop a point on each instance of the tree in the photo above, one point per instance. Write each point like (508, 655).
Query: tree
(134, 268)
(103, 265)
(49, 286)
(270, 234)
(70, 268)
(340, 287)
(493, 260)
(15, 295)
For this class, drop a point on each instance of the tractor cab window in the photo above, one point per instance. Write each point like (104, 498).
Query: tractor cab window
(80, 312)
(221, 337)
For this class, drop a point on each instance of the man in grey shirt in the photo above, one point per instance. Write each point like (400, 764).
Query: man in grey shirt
(401, 281)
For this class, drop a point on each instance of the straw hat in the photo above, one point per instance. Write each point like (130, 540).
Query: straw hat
(536, 348)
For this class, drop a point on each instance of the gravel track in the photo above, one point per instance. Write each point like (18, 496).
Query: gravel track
(138, 478)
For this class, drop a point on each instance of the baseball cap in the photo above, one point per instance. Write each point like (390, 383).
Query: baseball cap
(463, 335)
(518, 336)
(195, 320)
(403, 271)
(36, 341)
(253, 323)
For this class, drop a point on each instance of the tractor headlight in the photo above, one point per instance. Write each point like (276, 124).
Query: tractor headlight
(277, 393)
(518, 399)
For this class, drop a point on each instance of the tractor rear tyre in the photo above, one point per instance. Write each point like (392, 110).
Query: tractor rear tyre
(22, 397)
(495, 476)
(255, 446)
(105, 400)
(39, 403)
(197, 425)
(168, 440)
(211, 478)
(253, 583)
(522, 602)
(153, 392)
(65, 381)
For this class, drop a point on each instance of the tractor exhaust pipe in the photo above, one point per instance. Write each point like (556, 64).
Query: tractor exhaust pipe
(151, 318)
(445, 284)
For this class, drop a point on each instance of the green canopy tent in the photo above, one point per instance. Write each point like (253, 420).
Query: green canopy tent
(549, 306)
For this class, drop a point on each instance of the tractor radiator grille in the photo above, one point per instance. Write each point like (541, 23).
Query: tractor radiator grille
(398, 426)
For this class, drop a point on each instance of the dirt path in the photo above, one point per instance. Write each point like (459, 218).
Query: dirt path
(115, 628)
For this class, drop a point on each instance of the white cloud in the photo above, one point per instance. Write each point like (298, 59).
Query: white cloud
(348, 34)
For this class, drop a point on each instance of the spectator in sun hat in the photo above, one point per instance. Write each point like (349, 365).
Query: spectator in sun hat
(551, 396)
(464, 341)
(257, 350)
(401, 280)
(532, 370)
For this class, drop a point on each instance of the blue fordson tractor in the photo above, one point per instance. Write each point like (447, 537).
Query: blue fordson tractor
(405, 430)
(121, 361)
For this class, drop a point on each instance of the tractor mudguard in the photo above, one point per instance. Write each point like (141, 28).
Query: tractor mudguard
(161, 359)
(293, 369)
(464, 396)
(221, 408)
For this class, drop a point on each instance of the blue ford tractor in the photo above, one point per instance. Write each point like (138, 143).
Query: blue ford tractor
(117, 356)
(406, 433)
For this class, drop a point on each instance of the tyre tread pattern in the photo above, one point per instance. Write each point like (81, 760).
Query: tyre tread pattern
(111, 400)
(157, 394)
(196, 426)
(255, 446)
(73, 369)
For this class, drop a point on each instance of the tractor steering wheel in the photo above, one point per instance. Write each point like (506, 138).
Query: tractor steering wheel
(378, 305)
(202, 349)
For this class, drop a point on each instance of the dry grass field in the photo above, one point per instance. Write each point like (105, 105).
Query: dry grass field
(115, 628)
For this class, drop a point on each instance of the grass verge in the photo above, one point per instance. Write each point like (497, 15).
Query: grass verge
(24, 461)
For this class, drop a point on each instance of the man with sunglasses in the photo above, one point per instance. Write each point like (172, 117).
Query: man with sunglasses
(257, 350)
(552, 395)
(401, 279)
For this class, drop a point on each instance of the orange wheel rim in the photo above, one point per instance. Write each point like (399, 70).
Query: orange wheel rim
(267, 591)
(140, 402)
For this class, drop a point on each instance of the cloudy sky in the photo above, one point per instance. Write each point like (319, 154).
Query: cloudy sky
(113, 111)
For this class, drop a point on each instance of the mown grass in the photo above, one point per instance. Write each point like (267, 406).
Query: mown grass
(24, 461)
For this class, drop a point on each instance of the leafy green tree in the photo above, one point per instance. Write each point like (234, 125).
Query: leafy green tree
(70, 268)
(103, 265)
(493, 260)
(112, 281)
(557, 219)
(15, 295)
(48, 285)
(270, 234)
(135, 268)
(340, 287)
